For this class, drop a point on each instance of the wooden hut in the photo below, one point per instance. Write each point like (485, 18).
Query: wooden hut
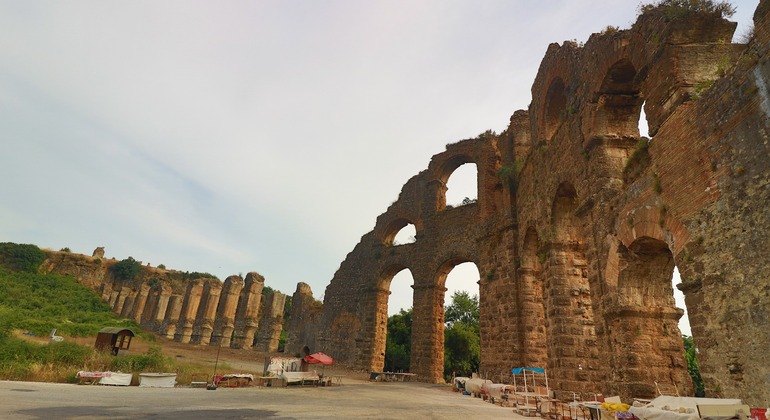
(114, 339)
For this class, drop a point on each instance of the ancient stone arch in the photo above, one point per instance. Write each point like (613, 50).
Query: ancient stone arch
(579, 222)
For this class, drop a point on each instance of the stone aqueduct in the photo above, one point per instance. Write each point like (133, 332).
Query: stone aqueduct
(579, 224)
(576, 231)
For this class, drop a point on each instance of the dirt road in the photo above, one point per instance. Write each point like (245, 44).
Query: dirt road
(355, 400)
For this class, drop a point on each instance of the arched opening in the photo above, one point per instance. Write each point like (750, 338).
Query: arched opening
(555, 110)
(407, 235)
(399, 232)
(618, 102)
(461, 321)
(397, 315)
(305, 351)
(617, 120)
(646, 340)
(462, 186)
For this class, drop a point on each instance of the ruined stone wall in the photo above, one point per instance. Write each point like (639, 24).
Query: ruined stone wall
(304, 315)
(271, 324)
(580, 223)
(194, 309)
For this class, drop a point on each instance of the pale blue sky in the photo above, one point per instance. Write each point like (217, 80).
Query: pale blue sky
(238, 136)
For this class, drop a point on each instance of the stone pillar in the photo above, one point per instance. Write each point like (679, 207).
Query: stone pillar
(379, 333)
(107, 292)
(139, 302)
(247, 313)
(272, 322)
(186, 322)
(149, 308)
(120, 300)
(534, 346)
(207, 312)
(304, 309)
(159, 314)
(114, 294)
(427, 355)
(128, 303)
(228, 303)
(171, 317)
(570, 326)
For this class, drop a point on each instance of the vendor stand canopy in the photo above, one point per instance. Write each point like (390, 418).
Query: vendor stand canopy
(319, 358)
(532, 373)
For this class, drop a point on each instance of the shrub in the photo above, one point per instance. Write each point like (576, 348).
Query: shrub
(672, 9)
(21, 257)
(39, 302)
(126, 269)
(638, 161)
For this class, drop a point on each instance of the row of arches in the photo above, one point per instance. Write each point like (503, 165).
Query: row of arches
(461, 189)
(617, 326)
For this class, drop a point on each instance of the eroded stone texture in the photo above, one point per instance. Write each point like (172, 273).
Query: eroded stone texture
(228, 303)
(304, 312)
(171, 303)
(271, 324)
(247, 313)
(98, 252)
(184, 330)
(207, 311)
(579, 223)
(171, 319)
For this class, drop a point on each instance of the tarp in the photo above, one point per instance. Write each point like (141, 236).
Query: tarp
(320, 358)
(667, 407)
(116, 378)
(157, 380)
(518, 370)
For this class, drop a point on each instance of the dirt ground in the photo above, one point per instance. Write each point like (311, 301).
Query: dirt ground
(355, 398)
(230, 360)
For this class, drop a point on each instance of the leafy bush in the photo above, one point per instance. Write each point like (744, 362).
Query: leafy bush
(21, 257)
(672, 9)
(58, 362)
(126, 269)
(153, 360)
(692, 366)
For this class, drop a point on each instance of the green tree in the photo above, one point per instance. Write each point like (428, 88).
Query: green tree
(462, 350)
(398, 344)
(692, 366)
(126, 269)
(462, 347)
(21, 257)
(463, 309)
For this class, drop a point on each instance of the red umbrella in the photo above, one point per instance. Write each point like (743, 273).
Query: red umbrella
(320, 358)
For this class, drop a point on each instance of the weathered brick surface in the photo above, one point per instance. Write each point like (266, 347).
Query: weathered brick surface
(201, 310)
(576, 249)
(304, 313)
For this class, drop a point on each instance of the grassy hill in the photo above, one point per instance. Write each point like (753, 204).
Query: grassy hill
(31, 304)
